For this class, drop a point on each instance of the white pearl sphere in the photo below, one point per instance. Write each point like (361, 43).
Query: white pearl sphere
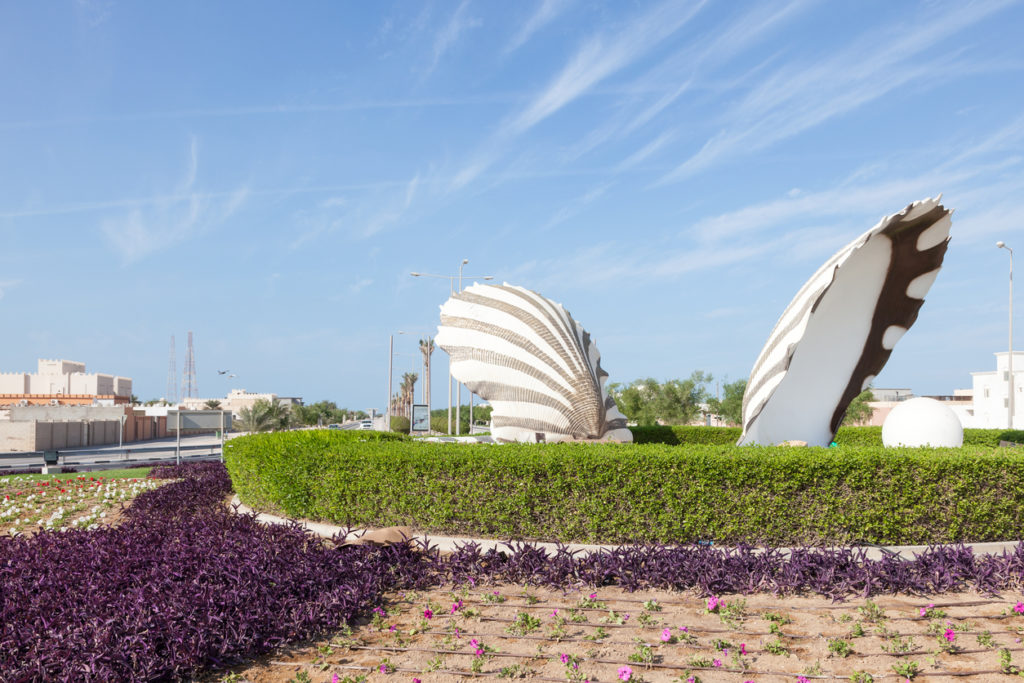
(922, 422)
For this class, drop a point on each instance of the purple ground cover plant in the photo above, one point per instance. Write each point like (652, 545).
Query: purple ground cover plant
(185, 585)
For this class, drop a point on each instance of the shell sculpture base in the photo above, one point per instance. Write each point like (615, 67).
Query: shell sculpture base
(839, 330)
(535, 365)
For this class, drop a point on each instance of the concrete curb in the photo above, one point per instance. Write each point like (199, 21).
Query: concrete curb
(451, 543)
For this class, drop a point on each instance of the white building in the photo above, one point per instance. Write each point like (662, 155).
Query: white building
(991, 397)
(63, 378)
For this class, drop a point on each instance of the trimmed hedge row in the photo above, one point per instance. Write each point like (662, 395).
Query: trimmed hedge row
(847, 436)
(628, 493)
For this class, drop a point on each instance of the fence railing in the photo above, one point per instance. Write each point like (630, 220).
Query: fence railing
(72, 457)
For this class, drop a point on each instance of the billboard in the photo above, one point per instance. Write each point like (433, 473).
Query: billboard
(420, 418)
(198, 419)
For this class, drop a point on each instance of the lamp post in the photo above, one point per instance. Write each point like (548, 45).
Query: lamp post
(451, 290)
(1009, 374)
(391, 358)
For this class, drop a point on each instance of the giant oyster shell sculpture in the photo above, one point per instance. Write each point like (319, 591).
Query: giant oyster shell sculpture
(535, 365)
(839, 330)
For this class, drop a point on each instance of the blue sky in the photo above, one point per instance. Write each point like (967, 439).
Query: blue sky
(267, 175)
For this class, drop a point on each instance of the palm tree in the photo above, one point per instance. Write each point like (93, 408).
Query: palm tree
(408, 386)
(427, 348)
(265, 416)
(254, 418)
(212, 404)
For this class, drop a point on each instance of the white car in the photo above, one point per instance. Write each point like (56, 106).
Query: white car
(366, 424)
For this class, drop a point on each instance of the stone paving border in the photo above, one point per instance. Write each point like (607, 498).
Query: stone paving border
(451, 543)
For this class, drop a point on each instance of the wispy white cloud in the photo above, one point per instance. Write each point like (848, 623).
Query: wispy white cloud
(648, 150)
(357, 287)
(163, 223)
(601, 57)
(577, 205)
(359, 217)
(598, 58)
(7, 284)
(451, 32)
(796, 98)
(545, 14)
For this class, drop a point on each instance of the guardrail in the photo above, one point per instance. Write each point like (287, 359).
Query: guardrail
(108, 457)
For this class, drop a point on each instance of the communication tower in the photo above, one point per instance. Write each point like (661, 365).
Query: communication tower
(188, 382)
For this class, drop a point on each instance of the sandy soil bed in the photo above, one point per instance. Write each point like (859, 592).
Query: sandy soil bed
(510, 631)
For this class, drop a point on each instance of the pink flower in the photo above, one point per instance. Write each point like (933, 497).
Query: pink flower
(334, 678)
(924, 611)
(428, 613)
(713, 603)
(593, 596)
(474, 643)
(393, 628)
(949, 635)
(666, 635)
(625, 673)
(1019, 608)
(565, 658)
(716, 662)
(383, 668)
(458, 633)
(554, 613)
(378, 611)
(684, 629)
(802, 679)
(416, 680)
(725, 652)
(625, 617)
(478, 652)
(691, 679)
(743, 648)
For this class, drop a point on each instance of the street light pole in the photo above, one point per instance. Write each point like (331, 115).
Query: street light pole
(391, 358)
(451, 291)
(1009, 374)
(458, 385)
(387, 406)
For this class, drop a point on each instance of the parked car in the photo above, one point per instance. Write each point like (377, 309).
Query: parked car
(335, 426)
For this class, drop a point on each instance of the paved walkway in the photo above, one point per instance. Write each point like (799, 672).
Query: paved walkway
(450, 543)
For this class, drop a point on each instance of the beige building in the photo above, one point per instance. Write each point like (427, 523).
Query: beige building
(63, 382)
(238, 399)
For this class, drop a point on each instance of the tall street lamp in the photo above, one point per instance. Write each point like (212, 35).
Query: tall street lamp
(451, 290)
(1009, 374)
(391, 359)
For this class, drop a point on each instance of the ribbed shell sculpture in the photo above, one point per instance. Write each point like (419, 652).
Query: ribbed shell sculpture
(535, 364)
(839, 330)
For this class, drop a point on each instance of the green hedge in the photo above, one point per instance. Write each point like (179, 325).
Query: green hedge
(628, 493)
(847, 436)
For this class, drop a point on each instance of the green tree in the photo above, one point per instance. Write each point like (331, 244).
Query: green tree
(730, 407)
(859, 412)
(212, 404)
(265, 416)
(647, 402)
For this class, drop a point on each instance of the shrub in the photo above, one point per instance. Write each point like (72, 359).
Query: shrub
(684, 434)
(847, 436)
(653, 493)
(400, 424)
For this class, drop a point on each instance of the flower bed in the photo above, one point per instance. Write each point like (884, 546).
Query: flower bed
(186, 586)
(182, 585)
(647, 493)
(515, 631)
(29, 504)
